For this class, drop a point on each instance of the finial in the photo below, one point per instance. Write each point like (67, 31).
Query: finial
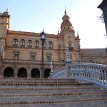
(43, 30)
(58, 31)
(77, 34)
(7, 10)
(42, 33)
(65, 11)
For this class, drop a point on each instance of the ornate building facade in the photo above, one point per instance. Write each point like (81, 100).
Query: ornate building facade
(20, 52)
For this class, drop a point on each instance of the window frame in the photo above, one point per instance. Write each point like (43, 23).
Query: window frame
(36, 44)
(50, 45)
(22, 43)
(16, 55)
(34, 56)
(15, 42)
(29, 43)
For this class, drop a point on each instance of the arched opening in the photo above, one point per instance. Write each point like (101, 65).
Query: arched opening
(47, 72)
(22, 72)
(35, 73)
(8, 72)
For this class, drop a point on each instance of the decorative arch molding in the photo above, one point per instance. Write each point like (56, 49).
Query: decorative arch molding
(8, 72)
(22, 73)
(35, 73)
(47, 72)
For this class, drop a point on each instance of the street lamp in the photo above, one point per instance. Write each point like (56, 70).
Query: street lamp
(43, 38)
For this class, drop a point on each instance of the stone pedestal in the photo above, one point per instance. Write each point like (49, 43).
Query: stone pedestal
(68, 71)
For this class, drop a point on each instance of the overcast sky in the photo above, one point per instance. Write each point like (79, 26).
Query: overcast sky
(34, 15)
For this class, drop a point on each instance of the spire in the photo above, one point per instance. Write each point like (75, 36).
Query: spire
(65, 11)
(65, 17)
(66, 24)
(77, 35)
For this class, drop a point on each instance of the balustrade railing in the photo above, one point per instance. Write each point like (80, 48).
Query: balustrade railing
(90, 72)
(14, 61)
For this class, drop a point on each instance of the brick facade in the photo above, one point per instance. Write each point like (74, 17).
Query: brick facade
(22, 50)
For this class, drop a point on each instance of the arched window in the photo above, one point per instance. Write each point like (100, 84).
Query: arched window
(22, 43)
(29, 44)
(50, 45)
(15, 42)
(36, 44)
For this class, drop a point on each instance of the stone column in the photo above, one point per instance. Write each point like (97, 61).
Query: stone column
(1, 66)
(68, 71)
(15, 73)
(28, 74)
(1, 72)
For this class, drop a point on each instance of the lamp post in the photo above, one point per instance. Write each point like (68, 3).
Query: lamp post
(43, 38)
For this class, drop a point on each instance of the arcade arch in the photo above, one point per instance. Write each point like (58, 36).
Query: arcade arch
(47, 72)
(35, 73)
(8, 72)
(22, 73)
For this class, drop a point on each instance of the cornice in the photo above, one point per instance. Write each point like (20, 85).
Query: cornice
(12, 32)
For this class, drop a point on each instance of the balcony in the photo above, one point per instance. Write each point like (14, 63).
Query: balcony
(33, 62)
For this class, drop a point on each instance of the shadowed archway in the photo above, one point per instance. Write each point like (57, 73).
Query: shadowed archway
(35, 73)
(8, 72)
(47, 72)
(22, 73)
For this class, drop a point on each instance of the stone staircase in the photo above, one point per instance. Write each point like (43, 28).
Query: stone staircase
(50, 93)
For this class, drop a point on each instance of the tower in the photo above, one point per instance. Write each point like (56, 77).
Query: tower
(103, 7)
(4, 26)
(68, 38)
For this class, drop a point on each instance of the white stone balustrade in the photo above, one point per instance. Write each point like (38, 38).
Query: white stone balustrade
(90, 72)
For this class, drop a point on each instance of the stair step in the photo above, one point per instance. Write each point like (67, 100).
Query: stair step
(81, 103)
(50, 92)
